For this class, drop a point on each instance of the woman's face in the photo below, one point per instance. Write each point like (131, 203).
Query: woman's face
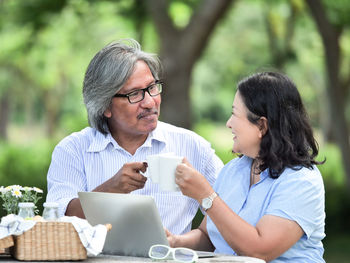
(246, 135)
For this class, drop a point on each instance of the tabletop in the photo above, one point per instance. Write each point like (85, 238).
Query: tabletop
(123, 259)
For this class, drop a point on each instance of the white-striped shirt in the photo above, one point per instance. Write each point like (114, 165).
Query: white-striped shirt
(86, 159)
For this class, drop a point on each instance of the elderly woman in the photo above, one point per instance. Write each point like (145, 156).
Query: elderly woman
(269, 202)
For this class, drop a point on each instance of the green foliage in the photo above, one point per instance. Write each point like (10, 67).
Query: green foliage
(180, 13)
(72, 123)
(36, 12)
(332, 171)
(44, 81)
(337, 248)
(230, 55)
(337, 196)
(25, 165)
(338, 11)
(219, 136)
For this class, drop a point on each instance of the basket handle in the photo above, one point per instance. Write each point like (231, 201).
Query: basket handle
(108, 226)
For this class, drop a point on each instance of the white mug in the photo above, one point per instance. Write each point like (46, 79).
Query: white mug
(161, 170)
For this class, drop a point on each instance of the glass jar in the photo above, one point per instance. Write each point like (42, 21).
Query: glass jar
(50, 212)
(26, 210)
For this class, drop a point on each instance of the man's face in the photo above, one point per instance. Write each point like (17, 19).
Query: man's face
(126, 119)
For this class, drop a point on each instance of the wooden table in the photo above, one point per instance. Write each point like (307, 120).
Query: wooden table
(122, 259)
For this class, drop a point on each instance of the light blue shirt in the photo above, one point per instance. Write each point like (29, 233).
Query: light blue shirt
(86, 159)
(296, 195)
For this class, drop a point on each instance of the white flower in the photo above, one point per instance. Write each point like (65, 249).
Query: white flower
(4, 190)
(15, 187)
(38, 190)
(16, 193)
(13, 194)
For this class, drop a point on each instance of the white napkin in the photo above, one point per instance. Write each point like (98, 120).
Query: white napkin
(14, 225)
(92, 237)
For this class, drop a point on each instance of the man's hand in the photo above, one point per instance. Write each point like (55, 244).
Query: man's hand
(126, 180)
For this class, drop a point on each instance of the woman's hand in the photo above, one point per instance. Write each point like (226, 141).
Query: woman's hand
(196, 239)
(191, 182)
(171, 238)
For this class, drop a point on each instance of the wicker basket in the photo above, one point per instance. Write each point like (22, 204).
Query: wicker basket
(5, 242)
(49, 241)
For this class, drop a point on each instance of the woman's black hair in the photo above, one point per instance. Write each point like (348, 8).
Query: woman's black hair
(289, 140)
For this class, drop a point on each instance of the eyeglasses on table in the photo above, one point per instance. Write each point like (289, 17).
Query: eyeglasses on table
(180, 254)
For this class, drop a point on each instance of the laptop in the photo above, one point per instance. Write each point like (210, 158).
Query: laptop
(136, 223)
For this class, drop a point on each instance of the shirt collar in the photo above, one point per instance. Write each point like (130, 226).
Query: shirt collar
(101, 141)
(263, 175)
(157, 134)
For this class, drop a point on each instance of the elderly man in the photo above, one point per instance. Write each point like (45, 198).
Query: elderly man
(122, 97)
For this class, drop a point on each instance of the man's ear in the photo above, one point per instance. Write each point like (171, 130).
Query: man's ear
(263, 126)
(107, 113)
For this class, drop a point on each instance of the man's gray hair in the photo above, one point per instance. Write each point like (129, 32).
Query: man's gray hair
(108, 72)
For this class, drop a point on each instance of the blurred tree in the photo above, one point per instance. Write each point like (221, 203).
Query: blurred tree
(12, 78)
(13, 73)
(332, 18)
(19, 24)
(35, 13)
(49, 53)
(236, 48)
(4, 114)
(136, 12)
(280, 27)
(180, 49)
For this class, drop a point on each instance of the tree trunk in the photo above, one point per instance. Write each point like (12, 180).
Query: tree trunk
(281, 50)
(51, 113)
(176, 104)
(4, 114)
(180, 50)
(336, 95)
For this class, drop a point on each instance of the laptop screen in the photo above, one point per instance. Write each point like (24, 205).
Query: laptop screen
(136, 224)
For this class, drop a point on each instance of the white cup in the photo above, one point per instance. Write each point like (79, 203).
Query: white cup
(161, 170)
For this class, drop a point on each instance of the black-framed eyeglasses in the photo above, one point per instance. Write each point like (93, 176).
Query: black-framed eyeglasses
(138, 95)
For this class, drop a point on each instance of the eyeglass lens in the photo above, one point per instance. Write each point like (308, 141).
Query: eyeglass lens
(139, 95)
(183, 255)
(159, 252)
